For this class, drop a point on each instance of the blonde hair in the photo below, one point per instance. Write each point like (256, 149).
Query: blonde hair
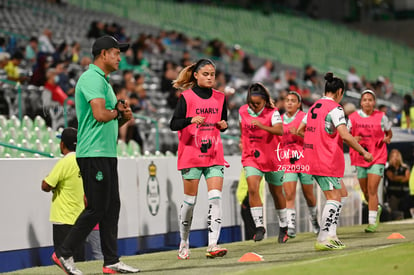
(186, 79)
(399, 161)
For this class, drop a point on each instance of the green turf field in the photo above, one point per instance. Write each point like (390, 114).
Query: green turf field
(366, 253)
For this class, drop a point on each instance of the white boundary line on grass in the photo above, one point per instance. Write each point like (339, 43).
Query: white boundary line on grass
(337, 256)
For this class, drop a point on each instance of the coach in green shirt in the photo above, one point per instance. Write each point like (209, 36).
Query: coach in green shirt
(99, 116)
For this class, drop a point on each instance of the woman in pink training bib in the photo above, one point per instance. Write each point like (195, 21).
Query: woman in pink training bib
(372, 129)
(295, 168)
(199, 116)
(260, 126)
(323, 151)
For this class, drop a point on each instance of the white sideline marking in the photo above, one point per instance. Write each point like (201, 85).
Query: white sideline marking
(338, 256)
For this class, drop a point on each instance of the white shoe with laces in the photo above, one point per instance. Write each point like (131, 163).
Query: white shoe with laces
(67, 265)
(119, 267)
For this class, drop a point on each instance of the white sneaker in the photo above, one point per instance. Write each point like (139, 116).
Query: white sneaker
(119, 267)
(67, 265)
(183, 251)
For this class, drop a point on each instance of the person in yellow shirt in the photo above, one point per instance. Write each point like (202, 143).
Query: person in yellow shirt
(65, 182)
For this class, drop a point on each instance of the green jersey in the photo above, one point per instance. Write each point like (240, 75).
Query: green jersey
(95, 139)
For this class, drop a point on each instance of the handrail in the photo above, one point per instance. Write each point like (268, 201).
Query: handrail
(19, 95)
(157, 131)
(49, 155)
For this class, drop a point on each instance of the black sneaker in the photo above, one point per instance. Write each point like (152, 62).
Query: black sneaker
(283, 235)
(259, 235)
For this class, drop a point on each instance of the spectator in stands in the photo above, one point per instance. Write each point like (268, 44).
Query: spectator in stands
(12, 67)
(39, 73)
(144, 104)
(260, 127)
(185, 59)
(31, 50)
(247, 66)
(397, 190)
(407, 114)
(372, 130)
(169, 73)
(75, 49)
(2, 44)
(96, 29)
(4, 59)
(99, 115)
(353, 80)
(63, 80)
(140, 63)
(45, 42)
(200, 152)
(237, 53)
(57, 93)
(130, 129)
(264, 73)
(65, 182)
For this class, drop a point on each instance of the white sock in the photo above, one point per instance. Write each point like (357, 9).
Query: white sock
(257, 214)
(282, 213)
(372, 217)
(214, 216)
(291, 217)
(186, 216)
(328, 217)
(332, 229)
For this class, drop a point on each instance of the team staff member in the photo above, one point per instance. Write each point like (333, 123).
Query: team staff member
(199, 116)
(372, 129)
(260, 126)
(99, 116)
(325, 133)
(65, 182)
(295, 168)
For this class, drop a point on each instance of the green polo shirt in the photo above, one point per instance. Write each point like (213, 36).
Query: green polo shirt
(95, 139)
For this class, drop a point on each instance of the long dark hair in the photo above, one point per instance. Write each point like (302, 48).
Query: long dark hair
(260, 90)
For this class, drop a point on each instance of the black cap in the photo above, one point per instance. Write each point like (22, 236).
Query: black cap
(107, 42)
(69, 138)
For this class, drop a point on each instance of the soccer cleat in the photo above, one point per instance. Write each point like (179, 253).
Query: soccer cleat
(259, 235)
(215, 251)
(119, 267)
(291, 232)
(183, 251)
(283, 235)
(315, 225)
(325, 246)
(67, 265)
(337, 242)
(371, 228)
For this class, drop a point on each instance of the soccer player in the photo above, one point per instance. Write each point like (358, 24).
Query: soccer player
(260, 126)
(199, 116)
(372, 129)
(295, 169)
(323, 151)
